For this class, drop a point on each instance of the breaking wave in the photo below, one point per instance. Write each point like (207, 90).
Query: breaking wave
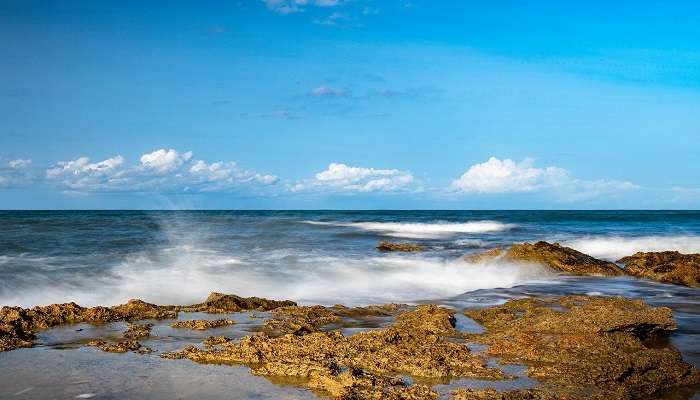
(186, 275)
(418, 230)
(616, 247)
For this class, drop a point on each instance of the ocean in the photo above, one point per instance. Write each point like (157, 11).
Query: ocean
(312, 257)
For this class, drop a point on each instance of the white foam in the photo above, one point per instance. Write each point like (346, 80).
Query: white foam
(615, 247)
(308, 278)
(423, 230)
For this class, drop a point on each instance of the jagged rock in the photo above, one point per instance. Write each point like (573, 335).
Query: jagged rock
(298, 320)
(664, 266)
(226, 303)
(119, 347)
(136, 309)
(555, 256)
(406, 247)
(202, 324)
(215, 340)
(492, 394)
(416, 344)
(587, 347)
(137, 331)
(15, 329)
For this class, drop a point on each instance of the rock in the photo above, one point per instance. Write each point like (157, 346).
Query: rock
(215, 340)
(16, 329)
(226, 303)
(664, 266)
(406, 247)
(119, 347)
(587, 347)
(202, 324)
(137, 331)
(362, 365)
(136, 309)
(492, 394)
(298, 320)
(555, 256)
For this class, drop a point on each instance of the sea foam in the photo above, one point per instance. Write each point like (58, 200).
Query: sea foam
(615, 247)
(419, 230)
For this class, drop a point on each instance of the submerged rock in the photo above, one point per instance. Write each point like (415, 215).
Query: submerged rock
(137, 331)
(226, 303)
(417, 344)
(555, 256)
(202, 324)
(406, 247)
(18, 325)
(586, 347)
(664, 266)
(119, 347)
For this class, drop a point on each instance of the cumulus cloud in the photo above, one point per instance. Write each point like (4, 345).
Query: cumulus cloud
(15, 173)
(165, 170)
(508, 176)
(295, 6)
(341, 177)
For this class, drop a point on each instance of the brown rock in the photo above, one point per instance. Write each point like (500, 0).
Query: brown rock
(491, 394)
(299, 320)
(215, 340)
(588, 347)
(226, 303)
(119, 347)
(136, 309)
(416, 344)
(555, 256)
(406, 247)
(202, 324)
(664, 266)
(137, 331)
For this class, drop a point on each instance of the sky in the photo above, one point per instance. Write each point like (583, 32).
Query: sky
(349, 104)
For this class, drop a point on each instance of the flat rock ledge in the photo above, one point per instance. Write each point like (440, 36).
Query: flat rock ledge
(552, 255)
(665, 266)
(18, 326)
(202, 324)
(582, 347)
(404, 247)
(576, 347)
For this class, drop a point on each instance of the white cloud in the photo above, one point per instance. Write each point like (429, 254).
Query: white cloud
(295, 6)
(508, 176)
(159, 171)
(326, 91)
(164, 161)
(341, 177)
(496, 176)
(15, 173)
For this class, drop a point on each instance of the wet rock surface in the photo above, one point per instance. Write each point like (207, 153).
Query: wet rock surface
(417, 344)
(137, 331)
(571, 347)
(552, 255)
(226, 303)
(18, 326)
(586, 347)
(201, 324)
(404, 247)
(121, 346)
(664, 266)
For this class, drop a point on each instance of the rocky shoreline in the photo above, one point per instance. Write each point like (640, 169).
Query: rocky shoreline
(572, 347)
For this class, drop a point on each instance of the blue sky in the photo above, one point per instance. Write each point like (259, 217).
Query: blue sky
(349, 104)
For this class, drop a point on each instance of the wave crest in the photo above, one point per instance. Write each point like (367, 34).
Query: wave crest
(615, 247)
(422, 230)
